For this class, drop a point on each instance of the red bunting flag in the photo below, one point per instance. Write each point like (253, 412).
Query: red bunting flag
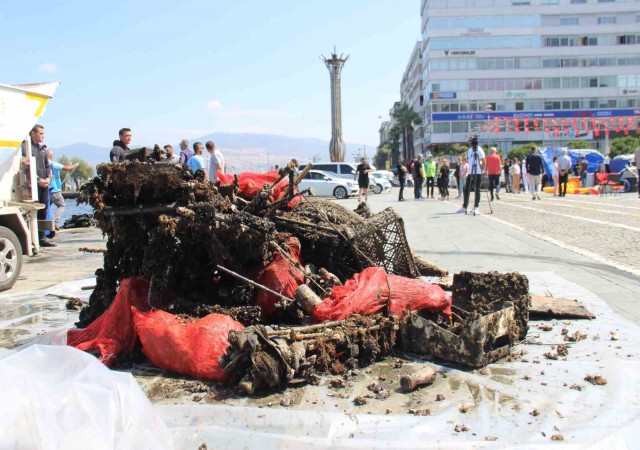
(554, 122)
(612, 120)
(547, 130)
(564, 123)
(557, 132)
(630, 121)
(596, 132)
(526, 129)
(544, 121)
(626, 131)
(621, 121)
(496, 130)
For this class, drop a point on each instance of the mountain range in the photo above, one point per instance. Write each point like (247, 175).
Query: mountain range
(242, 151)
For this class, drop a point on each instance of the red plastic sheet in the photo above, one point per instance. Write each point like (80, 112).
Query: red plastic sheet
(188, 348)
(371, 290)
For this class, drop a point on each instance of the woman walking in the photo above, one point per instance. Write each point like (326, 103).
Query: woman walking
(515, 176)
(555, 176)
(507, 177)
(464, 171)
(443, 179)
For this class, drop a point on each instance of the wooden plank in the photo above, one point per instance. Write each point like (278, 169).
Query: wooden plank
(557, 308)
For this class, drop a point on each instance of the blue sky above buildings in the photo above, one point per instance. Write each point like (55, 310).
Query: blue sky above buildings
(183, 69)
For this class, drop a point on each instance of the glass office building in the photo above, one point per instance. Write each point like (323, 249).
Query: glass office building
(516, 71)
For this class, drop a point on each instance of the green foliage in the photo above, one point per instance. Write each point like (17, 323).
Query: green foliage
(449, 149)
(82, 173)
(522, 151)
(382, 156)
(406, 118)
(580, 143)
(624, 145)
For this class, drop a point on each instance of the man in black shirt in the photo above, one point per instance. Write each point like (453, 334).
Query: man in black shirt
(402, 178)
(120, 146)
(362, 173)
(43, 176)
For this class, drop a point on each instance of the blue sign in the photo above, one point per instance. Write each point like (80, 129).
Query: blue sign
(442, 95)
(570, 114)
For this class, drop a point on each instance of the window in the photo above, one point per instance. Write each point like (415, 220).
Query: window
(441, 127)
(568, 21)
(606, 1)
(575, 2)
(548, 2)
(606, 20)
(627, 39)
(519, 106)
(459, 127)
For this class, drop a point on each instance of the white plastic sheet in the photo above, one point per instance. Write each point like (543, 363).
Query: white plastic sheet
(57, 397)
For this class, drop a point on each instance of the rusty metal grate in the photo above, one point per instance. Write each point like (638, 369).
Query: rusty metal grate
(381, 241)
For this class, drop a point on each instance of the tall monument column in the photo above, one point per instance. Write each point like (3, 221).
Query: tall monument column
(337, 148)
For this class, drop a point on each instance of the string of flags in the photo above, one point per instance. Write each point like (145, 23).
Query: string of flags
(574, 126)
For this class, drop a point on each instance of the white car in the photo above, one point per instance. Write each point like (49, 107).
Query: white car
(327, 184)
(379, 181)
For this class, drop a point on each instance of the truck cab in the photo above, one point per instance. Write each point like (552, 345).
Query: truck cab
(20, 108)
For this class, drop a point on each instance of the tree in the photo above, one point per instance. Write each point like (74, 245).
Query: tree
(82, 173)
(522, 151)
(406, 118)
(624, 145)
(394, 136)
(64, 175)
(382, 156)
(580, 143)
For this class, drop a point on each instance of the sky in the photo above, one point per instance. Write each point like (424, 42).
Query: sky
(169, 69)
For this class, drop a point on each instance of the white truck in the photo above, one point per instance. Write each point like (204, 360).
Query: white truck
(20, 108)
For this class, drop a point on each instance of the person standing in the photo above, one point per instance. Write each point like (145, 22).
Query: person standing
(555, 176)
(494, 167)
(534, 172)
(464, 172)
(402, 178)
(443, 179)
(185, 153)
(431, 169)
(584, 169)
(523, 176)
(418, 177)
(196, 161)
(43, 177)
(606, 166)
(216, 161)
(514, 171)
(506, 168)
(120, 145)
(456, 175)
(362, 173)
(564, 167)
(476, 158)
(55, 187)
(171, 158)
(637, 163)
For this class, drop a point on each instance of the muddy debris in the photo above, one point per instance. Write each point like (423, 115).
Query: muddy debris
(359, 401)
(461, 428)
(575, 337)
(439, 397)
(597, 380)
(557, 437)
(420, 412)
(490, 438)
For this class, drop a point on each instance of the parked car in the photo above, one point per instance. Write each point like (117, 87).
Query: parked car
(340, 168)
(618, 163)
(379, 181)
(327, 184)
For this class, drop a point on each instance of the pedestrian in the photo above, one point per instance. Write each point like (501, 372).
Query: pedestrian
(55, 188)
(431, 169)
(477, 162)
(171, 158)
(464, 172)
(606, 166)
(418, 177)
(43, 177)
(362, 173)
(185, 153)
(506, 167)
(196, 161)
(584, 169)
(514, 171)
(216, 162)
(535, 169)
(555, 176)
(564, 167)
(637, 163)
(402, 178)
(494, 167)
(443, 179)
(120, 145)
(523, 176)
(456, 175)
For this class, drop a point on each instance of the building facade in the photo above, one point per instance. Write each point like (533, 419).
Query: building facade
(412, 94)
(516, 71)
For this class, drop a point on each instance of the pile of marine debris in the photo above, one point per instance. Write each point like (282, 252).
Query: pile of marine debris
(258, 250)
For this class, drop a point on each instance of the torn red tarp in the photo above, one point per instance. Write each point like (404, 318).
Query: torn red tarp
(371, 290)
(114, 332)
(186, 347)
(251, 183)
(281, 276)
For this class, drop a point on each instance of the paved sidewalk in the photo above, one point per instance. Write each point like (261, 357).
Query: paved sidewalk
(510, 240)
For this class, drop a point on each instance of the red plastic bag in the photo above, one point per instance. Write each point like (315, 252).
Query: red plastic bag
(371, 290)
(281, 276)
(187, 348)
(225, 178)
(114, 332)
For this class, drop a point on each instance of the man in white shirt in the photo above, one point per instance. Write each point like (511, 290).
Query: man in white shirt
(564, 167)
(216, 162)
(476, 159)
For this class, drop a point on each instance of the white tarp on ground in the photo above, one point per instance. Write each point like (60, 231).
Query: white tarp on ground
(500, 399)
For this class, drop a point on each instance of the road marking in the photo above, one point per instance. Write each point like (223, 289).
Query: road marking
(599, 222)
(564, 199)
(572, 248)
(587, 208)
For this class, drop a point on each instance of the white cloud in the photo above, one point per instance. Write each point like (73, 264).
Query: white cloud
(48, 68)
(214, 105)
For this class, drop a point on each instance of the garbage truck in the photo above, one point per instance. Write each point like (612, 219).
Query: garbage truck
(20, 108)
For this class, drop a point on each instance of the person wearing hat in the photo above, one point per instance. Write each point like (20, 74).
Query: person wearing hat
(564, 167)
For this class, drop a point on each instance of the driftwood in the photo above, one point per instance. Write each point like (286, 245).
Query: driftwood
(92, 250)
(253, 283)
(306, 298)
(422, 377)
(558, 308)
